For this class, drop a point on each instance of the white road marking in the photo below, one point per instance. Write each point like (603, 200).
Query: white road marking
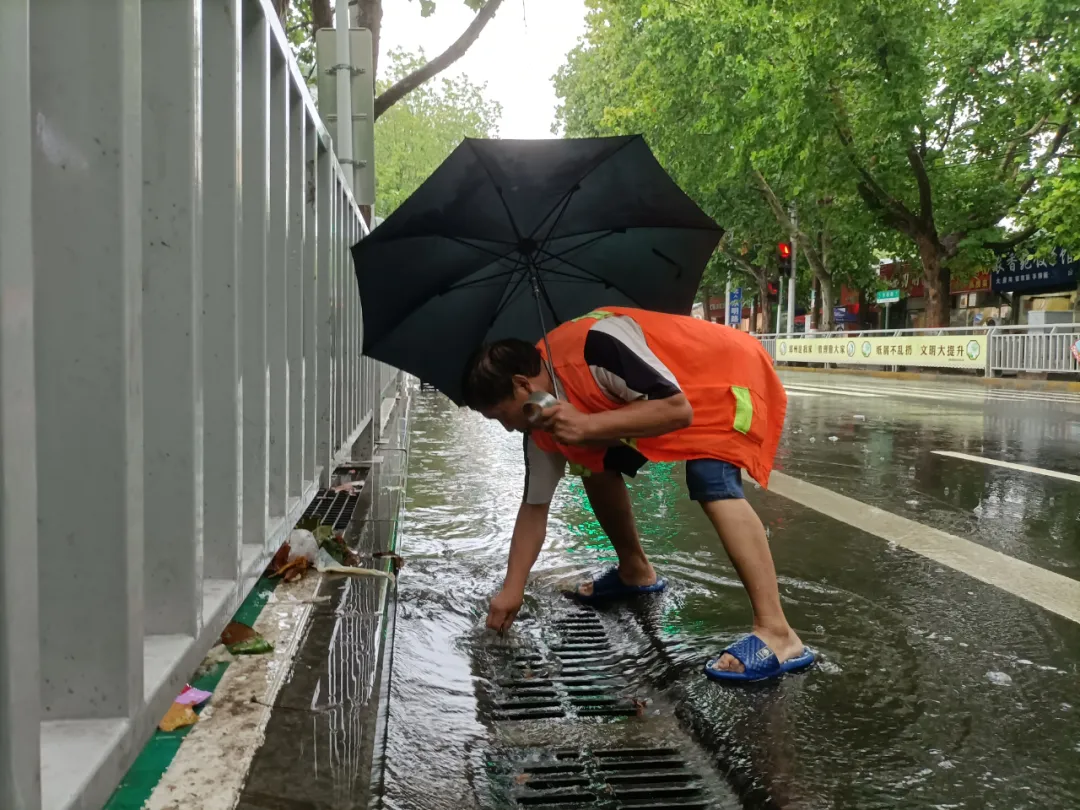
(1053, 592)
(993, 462)
(939, 395)
(792, 393)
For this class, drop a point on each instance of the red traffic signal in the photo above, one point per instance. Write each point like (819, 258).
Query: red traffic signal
(785, 250)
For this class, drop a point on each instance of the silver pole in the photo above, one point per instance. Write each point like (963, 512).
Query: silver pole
(794, 258)
(779, 305)
(727, 303)
(343, 132)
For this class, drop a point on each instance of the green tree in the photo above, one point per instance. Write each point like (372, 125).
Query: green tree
(672, 72)
(417, 134)
(938, 131)
(302, 18)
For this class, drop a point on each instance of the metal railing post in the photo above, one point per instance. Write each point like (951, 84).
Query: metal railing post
(222, 280)
(311, 305)
(88, 328)
(20, 731)
(256, 205)
(276, 271)
(294, 295)
(324, 389)
(172, 312)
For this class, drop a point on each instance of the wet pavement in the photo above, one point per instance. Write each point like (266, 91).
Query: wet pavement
(934, 689)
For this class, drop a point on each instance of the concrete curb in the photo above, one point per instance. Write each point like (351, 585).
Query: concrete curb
(1008, 384)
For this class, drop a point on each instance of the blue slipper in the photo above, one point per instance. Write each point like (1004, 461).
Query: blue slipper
(609, 587)
(759, 662)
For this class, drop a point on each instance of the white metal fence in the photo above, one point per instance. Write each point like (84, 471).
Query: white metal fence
(179, 359)
(1009, 349)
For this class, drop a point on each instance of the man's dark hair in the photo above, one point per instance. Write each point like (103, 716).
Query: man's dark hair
(489, 376)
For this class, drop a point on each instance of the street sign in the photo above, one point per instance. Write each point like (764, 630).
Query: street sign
(735, 307)
(888, 296)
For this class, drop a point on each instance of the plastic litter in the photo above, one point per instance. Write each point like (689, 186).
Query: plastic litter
(999, 678)
(191, 696)
(178, 716)
(834, 438)
(302, 543)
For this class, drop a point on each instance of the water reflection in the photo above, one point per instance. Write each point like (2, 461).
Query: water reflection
(908, 707)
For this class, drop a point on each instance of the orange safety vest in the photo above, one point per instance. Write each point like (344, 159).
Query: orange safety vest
(739, 403)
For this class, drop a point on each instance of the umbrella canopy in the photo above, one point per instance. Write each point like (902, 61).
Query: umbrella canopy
(511, 238)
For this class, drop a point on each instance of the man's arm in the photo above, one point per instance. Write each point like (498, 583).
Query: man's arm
(542, 474)
(525, 544)
(637, 420)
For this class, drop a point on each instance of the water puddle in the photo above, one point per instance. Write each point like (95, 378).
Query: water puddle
(933, 689)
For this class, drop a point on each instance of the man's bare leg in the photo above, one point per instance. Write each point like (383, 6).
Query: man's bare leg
(744, 539)
(611, 504)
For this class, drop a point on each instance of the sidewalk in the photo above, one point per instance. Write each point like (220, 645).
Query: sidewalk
(296, 728)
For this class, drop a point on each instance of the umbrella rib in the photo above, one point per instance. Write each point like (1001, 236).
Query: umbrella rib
(566, 197)
(498, 190)
(603, 281)
(585, 244)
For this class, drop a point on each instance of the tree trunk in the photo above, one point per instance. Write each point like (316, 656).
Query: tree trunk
(764, 309)
(826, 300)
(367, 14)
(322, 16)
(936, 279)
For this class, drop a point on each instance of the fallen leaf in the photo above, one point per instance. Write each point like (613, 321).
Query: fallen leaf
(280, 558)
(256, 645)
(522, 778)
(235, 633)
(178, 716)
(299, 562)
(640, 704)
(296, 569)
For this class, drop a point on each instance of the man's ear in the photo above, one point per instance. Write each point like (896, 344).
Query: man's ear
(523, 383)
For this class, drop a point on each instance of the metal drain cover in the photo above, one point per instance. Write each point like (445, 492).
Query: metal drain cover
(607, 779)
(568, 671)
(331, 509)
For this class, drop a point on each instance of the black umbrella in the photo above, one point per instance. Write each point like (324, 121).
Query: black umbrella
(511, 238)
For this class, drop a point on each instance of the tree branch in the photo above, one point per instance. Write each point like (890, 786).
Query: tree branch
(1014, 145)
(805, 242)
(926, 197)
(1014, 240)
(400, 89)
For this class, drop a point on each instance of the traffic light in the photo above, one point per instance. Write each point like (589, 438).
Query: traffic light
(784, 251)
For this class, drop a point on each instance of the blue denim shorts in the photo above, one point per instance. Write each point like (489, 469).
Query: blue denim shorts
(710, 479)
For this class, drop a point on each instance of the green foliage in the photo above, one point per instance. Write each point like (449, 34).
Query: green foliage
(415, 135)
(899, 128)
(298, 28)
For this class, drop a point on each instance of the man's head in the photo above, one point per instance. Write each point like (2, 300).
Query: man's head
(500, 377)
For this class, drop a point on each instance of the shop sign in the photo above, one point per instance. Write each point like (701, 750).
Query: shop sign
(1060, 270)
(941, 351)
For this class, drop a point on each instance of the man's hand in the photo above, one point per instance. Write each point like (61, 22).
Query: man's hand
(504, 609)
(566, 423)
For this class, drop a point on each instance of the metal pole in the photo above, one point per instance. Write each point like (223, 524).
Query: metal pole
(779, 303)
(887, 307)
(794, 265)
(813, 308)
(534, 279)
(727, 303)
(343, 136)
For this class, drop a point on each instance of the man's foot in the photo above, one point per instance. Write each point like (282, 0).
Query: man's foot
(638, 575)
(784, 645)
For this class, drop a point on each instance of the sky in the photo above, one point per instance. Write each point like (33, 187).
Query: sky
(516, 55)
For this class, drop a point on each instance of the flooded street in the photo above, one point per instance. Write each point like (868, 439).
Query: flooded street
(933, 689)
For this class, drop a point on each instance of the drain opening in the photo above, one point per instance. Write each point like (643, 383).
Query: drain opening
(331, 508)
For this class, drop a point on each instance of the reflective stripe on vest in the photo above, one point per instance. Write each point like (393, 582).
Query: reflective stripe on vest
(744, 409)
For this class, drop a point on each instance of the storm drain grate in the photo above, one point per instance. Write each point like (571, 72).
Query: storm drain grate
(609, 779)
(570, 673)
(331, 509)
